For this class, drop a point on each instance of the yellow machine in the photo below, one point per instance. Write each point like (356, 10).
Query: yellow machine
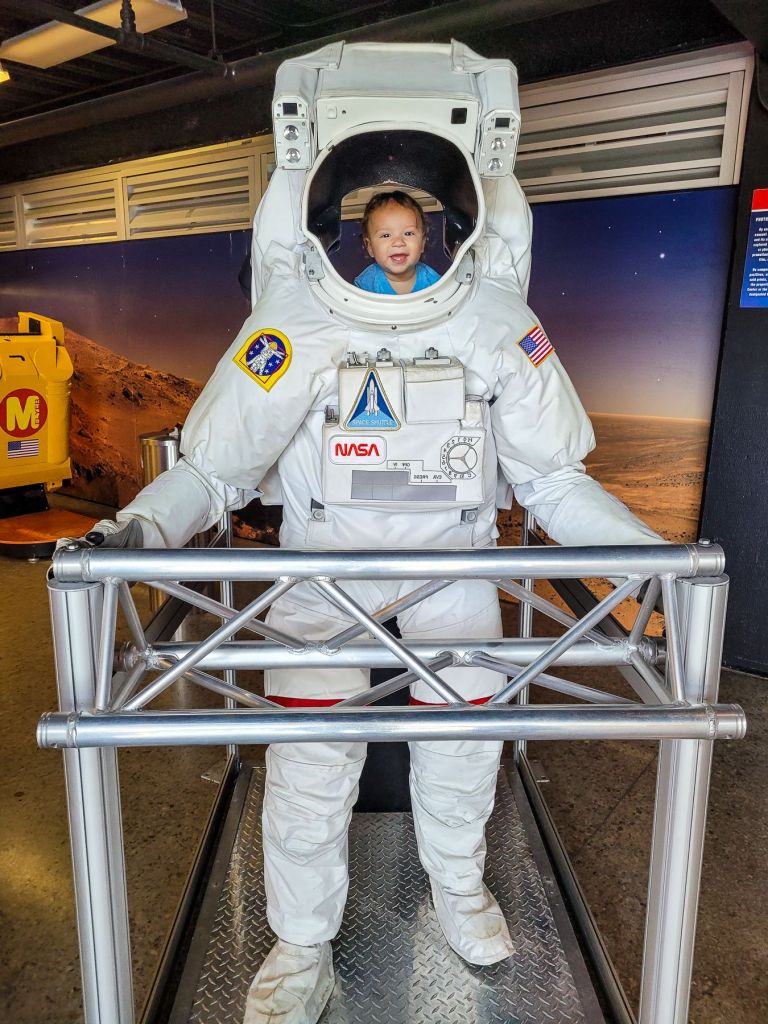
(35, 376)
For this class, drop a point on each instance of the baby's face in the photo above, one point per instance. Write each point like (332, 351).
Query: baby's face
(395, 239)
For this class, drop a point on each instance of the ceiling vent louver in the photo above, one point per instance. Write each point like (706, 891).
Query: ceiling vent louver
(9, 235)
(208, 196)
(651, 127)
(669, 124)
(86, 212)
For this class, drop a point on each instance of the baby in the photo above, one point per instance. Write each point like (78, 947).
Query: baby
(395, 232)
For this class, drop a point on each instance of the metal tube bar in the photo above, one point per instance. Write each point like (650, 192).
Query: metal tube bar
(243, 654)
(674, 639)
(680, 815)
(548, 682)
(524, 620)
(106, 654)
(224, 535)
(226, 689)
(224, 611)
(353, 609)
(651, 678)
(222, 633)
(93, 801)
(590, 619)
(205, 564)
(516, 687)
(132, 616)
(553, 722)
(645, 611)
(391, 685)
(580, 600)
(132, 678)
(226, 593)
(526, 596)
(389, 611)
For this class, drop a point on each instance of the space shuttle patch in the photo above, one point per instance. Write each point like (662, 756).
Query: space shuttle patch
(372, 410)
(265, 357)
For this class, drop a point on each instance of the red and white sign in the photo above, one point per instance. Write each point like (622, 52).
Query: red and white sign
(23, 412)
(357, 450)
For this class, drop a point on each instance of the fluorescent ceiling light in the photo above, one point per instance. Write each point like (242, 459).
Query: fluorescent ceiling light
(4, 76)
(56, 43)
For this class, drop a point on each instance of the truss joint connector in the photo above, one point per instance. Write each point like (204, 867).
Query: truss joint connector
(153, 660)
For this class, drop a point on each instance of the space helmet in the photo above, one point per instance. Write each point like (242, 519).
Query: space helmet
(350, 119)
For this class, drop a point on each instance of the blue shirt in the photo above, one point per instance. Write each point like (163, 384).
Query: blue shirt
(373, 279)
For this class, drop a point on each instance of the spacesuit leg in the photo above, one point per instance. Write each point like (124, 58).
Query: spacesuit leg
(453, 783)
(309, 793)
(311, 787)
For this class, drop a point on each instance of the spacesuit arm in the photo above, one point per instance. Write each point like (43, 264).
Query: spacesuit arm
(181, 502)
(245, 416)
(542, 434)
(277, 222)
(576, 510)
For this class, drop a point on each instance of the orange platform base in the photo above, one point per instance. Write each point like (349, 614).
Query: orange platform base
(34, 535)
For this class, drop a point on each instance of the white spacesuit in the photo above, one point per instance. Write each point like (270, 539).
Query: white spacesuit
(383, 421)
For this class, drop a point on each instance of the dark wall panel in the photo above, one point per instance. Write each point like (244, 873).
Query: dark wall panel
(735, 512)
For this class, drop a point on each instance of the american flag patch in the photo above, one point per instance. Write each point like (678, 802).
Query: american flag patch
(536, 345)
(24, 449)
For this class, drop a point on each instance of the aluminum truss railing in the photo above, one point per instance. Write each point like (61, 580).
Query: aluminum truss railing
(101, 710)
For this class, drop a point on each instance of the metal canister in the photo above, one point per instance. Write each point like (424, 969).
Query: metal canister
(159, 452)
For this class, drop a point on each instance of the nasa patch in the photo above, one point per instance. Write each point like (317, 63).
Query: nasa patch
(265, 357)
(371, 410)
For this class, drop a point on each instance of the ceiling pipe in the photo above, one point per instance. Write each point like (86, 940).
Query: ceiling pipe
(422, 26)
(127, 37)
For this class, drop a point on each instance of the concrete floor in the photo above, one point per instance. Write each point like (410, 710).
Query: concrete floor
(601, 795)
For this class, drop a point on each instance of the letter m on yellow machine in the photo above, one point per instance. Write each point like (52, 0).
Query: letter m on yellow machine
(35, 376)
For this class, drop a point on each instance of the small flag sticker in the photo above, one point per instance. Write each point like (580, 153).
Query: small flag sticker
(536, 345)
(24, 449)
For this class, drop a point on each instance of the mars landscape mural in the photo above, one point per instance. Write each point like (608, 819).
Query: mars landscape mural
(631, 290)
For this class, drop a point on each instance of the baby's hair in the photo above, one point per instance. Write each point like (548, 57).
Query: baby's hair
(402, 199)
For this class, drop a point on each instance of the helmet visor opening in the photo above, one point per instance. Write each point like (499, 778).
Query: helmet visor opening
(414, 160)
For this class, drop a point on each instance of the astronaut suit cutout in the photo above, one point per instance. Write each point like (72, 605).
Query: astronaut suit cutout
(382, 421)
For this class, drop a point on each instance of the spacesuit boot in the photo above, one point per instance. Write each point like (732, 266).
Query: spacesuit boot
(292, 986)
(453, 786)
(473, 924)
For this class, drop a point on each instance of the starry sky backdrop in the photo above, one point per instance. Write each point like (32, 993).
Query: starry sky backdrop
(172, 303)
(631, 291)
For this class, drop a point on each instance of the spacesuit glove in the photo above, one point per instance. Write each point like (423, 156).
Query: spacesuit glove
(107, 534)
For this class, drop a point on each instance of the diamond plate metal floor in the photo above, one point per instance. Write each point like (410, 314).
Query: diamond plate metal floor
(392, 962)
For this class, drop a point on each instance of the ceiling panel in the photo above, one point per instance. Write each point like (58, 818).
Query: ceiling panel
(239, 29)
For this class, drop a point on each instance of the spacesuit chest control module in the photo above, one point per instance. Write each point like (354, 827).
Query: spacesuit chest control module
(405, 435)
